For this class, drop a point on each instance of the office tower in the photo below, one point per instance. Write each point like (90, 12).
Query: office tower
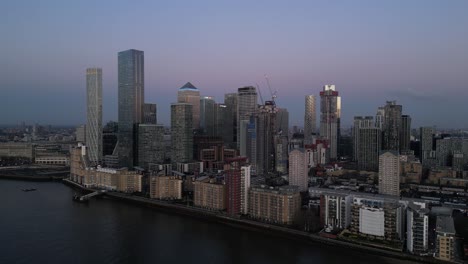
(298, 169)
(246, 106)
(150, 114)
(330, 109)
(221, 120)
(181, 132)
(405, 133)
(94, 114)
(232, 168)
(150, 145)
(131, 98)
(207, 114)
(251, 139)
(370, 143)
(109, 138)
(389, 173)
(310, 117)
(427, 146)
(281, 153)
(191, 95)
(360, 122)
(392, 126)
(266, 136)
(243, 124)
(230, 124)
(80, 133)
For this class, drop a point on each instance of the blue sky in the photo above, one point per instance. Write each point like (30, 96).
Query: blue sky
(414, 52)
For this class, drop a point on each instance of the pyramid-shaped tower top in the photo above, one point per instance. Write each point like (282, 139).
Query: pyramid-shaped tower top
(188, 86)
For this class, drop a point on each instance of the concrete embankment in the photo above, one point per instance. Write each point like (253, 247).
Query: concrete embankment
(246, 224)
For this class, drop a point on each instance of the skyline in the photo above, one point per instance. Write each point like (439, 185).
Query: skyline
(410, 52)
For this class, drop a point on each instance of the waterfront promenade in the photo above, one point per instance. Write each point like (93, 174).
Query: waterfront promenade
(220, 217)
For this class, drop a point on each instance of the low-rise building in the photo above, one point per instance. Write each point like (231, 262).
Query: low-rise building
(278, 205)
(446, 239)
(165, 187)
(209, 194)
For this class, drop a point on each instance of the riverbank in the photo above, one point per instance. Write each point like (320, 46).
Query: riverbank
(35, 173)
(256, 226)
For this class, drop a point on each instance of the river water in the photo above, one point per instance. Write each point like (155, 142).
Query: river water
(46, 226)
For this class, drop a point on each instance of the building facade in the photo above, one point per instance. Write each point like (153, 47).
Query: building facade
(389, 173)
(310, 118)
(94, 114)
(165, 187)
(191, 95)
(131, 99)
(150, 114)
(246, 106)
(150, 145)
(209, 194)
(181, 132)
(330, 113)
(275, 205)
(298, 169)
(233, 173)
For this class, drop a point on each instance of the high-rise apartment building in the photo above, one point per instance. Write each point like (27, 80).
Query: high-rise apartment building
(80, 134)
(191, 95)
(310, 118)
(131, 99)
(266, 138)
(232, 170)
(330, 109)
(94, 114)
(298, 169)
(150, 114)
(181, 132)
(417, 228)
(360, 122)
(246, 106)
(244, 188)
(389, 173)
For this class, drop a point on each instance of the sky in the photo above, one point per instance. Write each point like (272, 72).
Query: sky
(415, 52)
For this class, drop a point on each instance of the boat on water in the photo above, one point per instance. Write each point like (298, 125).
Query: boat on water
(29, 189)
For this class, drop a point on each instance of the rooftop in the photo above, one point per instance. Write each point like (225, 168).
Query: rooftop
(445, 225)
(188, 86)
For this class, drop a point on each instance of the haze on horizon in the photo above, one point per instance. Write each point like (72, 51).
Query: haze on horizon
(414, 52)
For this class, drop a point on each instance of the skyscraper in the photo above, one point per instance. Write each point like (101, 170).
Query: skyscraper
(230, 124)
(94, 114)
(181, 132)
(207, 115)
(427, 147)
(150, 114)
(131, 99)
(266, 138)
(310, 117)
(360, 122)
(330, 109)
(191, 95)
(405, 133)
(392, 126)
(389, 173)
(366, 143)
(246, 106)
(298, 169)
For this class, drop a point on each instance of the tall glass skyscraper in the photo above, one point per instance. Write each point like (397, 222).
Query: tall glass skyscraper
(330, 109)
(246, 106)
(94, 114)
(131, 100)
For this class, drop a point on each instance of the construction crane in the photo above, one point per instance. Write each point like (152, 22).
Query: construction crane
(260, 93)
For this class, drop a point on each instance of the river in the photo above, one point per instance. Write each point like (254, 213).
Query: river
(46, 226)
